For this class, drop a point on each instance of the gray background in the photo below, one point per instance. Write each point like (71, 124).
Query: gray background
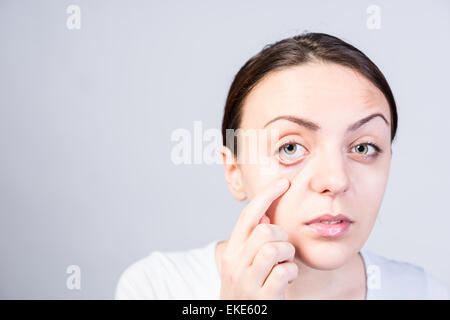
(86, 118)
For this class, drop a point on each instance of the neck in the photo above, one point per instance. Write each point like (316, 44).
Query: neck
(345, 282)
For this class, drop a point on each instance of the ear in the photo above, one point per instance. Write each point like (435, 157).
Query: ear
(233, 175)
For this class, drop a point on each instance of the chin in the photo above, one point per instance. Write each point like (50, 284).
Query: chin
(324, 254)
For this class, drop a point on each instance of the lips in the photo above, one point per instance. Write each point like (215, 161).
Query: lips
(330, 226)
(329, 218)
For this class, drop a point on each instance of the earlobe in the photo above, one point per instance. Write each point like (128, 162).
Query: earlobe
(233, 175)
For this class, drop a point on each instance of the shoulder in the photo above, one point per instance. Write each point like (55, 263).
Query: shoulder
(436, 288)
(394, 279)
(138, 281)
(188, 274)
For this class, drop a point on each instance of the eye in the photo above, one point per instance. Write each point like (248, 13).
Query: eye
(364, 148)
(290, 152)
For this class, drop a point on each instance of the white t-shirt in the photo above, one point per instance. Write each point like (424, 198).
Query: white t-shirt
(193, 274)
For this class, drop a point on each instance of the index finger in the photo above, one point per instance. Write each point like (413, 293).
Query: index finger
(255, 210)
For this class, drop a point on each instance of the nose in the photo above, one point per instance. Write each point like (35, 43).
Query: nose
(329, 176)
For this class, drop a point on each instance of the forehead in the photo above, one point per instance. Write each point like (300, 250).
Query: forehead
(326, 93)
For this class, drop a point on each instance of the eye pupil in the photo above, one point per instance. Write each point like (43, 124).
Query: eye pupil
(290, 152)
(289, 148)
(361, 146)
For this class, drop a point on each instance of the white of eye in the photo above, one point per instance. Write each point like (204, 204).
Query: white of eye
(291, 151)
(367, 147)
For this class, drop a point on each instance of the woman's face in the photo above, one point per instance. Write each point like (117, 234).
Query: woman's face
(331, 168)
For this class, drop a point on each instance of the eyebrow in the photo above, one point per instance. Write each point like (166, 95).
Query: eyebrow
(315, 127)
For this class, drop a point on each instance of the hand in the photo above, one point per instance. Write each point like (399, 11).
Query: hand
(257, 262)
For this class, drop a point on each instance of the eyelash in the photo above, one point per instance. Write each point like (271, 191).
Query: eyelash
(377, 148)
(374, 145)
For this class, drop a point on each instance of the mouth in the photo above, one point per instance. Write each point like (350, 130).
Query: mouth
(330, 226)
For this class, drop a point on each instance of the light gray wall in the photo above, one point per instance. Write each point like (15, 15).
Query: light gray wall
(86, 118)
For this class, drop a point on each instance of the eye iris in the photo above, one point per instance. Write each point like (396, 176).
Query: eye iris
(290, 148)
(361, 146)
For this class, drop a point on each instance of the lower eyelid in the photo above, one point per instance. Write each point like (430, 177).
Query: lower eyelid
(291, 163)
(300, 160)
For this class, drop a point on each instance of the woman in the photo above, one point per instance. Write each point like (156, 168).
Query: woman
(307, 133)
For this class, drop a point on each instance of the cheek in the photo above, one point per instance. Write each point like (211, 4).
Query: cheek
(257, 177)
(368, 184)
(369, 192)
(362, 199)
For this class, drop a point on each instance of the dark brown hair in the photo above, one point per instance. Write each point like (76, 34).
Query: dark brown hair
(295, 51)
